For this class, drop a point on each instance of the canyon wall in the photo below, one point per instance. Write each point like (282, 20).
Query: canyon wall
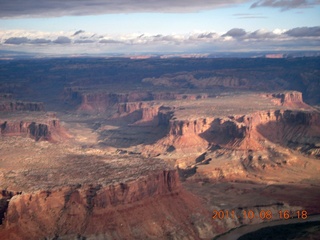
(101, 101)
(184, 134)
(144, 113)
(49, 130)
(246, 131)
(202, 132)
(151, 207)
(298, 130)
(290, 99)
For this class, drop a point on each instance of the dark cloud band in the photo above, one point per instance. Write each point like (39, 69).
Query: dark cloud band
(285, 4)
(50, 8)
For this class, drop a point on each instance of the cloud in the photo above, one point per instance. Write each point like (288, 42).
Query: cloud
(304, 32)
(285, 4)
(17, 40)
(262, 34)
(78, 32)
(109, 41)
(62, 40)
(235, 33)
(84, 41)
(40, 41)
(236, 39)
(248, 16)
(49, 8)
(209, 35)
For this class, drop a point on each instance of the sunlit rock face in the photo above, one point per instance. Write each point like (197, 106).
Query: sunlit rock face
(107, 211)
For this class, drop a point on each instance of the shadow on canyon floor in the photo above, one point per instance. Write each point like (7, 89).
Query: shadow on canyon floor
(125, 134)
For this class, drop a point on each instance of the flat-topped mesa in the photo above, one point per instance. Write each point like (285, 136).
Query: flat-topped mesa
(206, 131)
(185, 135)
(290, 99)
(130, 107)
(244, 132)
(47, 128)
(100, 101)
(306, 118)
(279, 126)
(144, 113)
(89, 210)
(188, 127)
(10, 106)
(36, 131)
(297, 129)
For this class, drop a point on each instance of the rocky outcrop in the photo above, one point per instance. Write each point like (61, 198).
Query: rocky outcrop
(144, 113)
(289, 99)
(234, 146)
(100, 101)
(184, 135)
(49, 130)
(245, 132)
(155, 202)
(299, 130)
(10, 106)
(203, 132)
(5, 197)
(279, 126)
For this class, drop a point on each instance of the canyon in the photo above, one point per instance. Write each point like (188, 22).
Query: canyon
(150, 149)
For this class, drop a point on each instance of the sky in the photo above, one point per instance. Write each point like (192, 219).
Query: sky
(158, 26)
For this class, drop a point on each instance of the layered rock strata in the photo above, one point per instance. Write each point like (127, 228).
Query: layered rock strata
(290, 99)
(46, 128)
(245, 132)
(147, 208)
(144, 113)
(101, 101)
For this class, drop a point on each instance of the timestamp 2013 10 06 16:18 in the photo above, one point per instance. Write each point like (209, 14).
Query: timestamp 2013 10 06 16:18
(261, 214)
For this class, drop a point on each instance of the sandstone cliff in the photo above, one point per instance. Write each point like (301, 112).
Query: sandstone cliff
(235, 146)
(186, 134)
(49, 129)
(246, 132)
(299, 130)
(199, 134)
(290, 99)
(151, 207)
(100, 101)
(144, 113)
